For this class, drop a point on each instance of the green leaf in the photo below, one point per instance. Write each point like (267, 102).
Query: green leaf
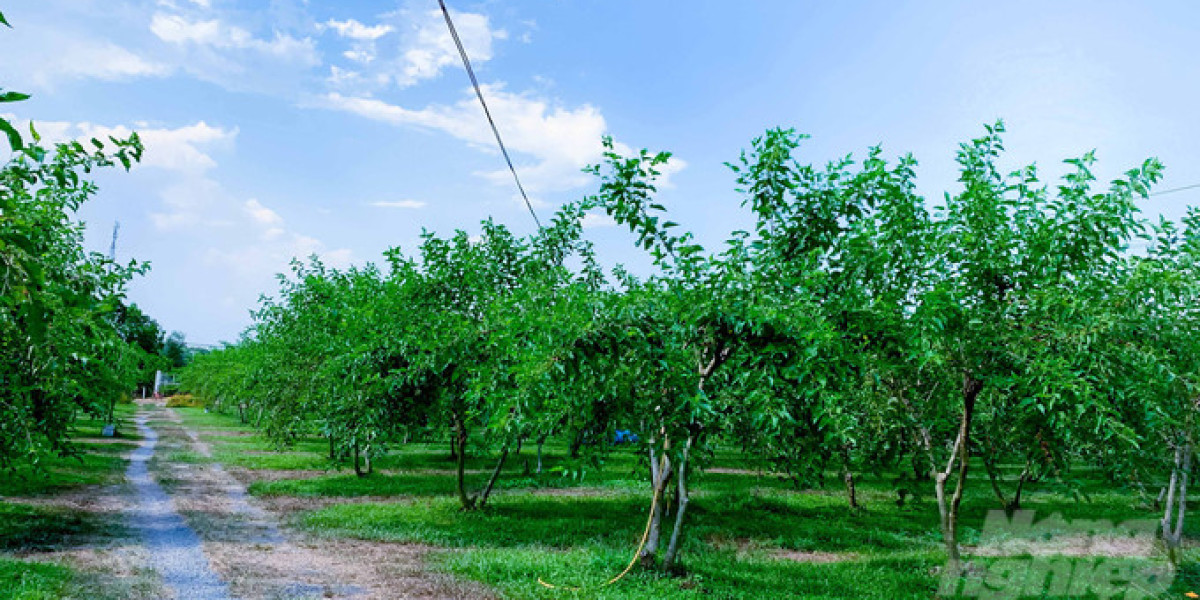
(14, 137)
(13, 96)
(4, 21)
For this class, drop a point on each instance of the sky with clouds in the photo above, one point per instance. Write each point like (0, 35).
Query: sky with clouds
(284, 128)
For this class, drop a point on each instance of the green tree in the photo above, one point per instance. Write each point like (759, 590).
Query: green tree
(60, 351)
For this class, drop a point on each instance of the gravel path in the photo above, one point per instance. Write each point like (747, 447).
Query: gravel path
(175, 550)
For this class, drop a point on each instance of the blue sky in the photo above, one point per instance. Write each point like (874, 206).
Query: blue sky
(284, 127)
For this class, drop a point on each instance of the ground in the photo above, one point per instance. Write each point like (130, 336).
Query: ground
(284, 523)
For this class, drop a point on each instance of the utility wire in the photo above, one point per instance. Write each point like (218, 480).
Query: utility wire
(1172, 190)
(478, 92)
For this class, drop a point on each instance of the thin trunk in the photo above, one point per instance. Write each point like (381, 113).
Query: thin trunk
(1016, 501)
(681, 504)
(331, 451)
(851, 494)
(358, 461)
(848, 478)
(949, 511)
(482, 499)
(939, 492)
(994, 476)
(971, 388)
(1170, 504)
(660, 474)
(460, 452)
(1182, 501)
(1176, 502)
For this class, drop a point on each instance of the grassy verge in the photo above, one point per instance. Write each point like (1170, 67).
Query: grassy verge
(28, 529)
(749, 535)
(22, 580)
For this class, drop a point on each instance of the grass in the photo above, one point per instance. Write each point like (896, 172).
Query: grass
(32, 528)
(29, 528)
(97, 461)
(25, 580)
(740, 526)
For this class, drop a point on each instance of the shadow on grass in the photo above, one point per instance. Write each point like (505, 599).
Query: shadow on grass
(26, 528)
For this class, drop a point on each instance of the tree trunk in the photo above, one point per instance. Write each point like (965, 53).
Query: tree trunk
(460, 454)
(358, 461)
(1177, 502)
(681, 504)
(660, 474)
(331, 452)
(482, 498)
(989, 465)
(848, 478)
(851, 494)
(1015, 505)
(949, 509)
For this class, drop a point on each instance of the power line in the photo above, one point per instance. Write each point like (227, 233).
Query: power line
(1178, 189)
(478, 92)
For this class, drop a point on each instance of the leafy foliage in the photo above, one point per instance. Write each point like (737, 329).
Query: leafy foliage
(854, 328)
(68, 341)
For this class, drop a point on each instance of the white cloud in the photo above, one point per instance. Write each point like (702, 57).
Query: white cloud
(43, 58)
(184, 149)
(351, 28)
(212, 33)
(595, 220)
(244, 237)
(408, 47)
(261, 214)
(429, 47)
(560, 140)
(398, 204)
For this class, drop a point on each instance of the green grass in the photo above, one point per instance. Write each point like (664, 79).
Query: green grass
(30, 528)
(95, 461)
(712, 575)
(28, 580)
(738, 523)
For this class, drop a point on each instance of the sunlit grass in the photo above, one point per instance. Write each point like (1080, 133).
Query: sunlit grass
(576, 531)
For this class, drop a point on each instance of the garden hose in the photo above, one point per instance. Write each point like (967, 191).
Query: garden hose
(632, 561)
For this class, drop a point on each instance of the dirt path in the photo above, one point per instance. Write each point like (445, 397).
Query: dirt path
(255, 557)
(174, 548)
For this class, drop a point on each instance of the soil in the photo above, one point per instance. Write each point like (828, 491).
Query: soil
(189, 530)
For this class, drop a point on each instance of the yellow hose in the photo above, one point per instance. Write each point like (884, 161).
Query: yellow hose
(632, 561)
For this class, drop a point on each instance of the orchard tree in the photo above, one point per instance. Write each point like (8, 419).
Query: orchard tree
(1154, 357)
(685, 341)
(60, 352)
(1004, 316)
